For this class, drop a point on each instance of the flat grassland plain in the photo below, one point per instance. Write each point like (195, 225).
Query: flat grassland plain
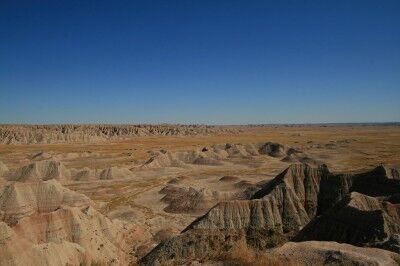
(340, 147)
(130, 187)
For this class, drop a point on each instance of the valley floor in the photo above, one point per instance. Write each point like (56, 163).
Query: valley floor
(161, 184)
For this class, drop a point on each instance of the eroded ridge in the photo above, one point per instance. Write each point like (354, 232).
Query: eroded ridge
(279, 211)
(30, 134)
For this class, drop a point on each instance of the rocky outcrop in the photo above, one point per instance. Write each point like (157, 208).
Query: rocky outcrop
(358, 219)
(178, 180)
(317, 189)
(212, 246)
(31, 134)
(16, 250)
(168, 159)
(287, 154)
(42, 217)
(218, 154)
(18, 200)
(259, 222)
(332, 253)
(273, 149)
(185, 158)
(3, 169)
(241, 214)
(78, 236)
(377, 182)
(41, 156)
(53, 169)
(193, 245)
(283, 206)
(182, 199)
(102, 239)
(41, 170)
(262, 222)
(115, 173)
(297, 190)
(83, 174)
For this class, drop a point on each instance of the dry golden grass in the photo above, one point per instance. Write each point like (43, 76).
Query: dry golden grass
(242, 255)
(374, 145)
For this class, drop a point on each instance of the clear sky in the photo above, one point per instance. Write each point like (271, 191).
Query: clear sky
(202, 61)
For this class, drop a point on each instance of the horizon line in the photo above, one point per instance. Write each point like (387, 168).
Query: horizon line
(198, 124)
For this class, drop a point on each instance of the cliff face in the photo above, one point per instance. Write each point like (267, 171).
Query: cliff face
(15, 250)
(240, 215)
(42, 170)
(296, 190)
(357, 219)
(101, 238)
(43, 223)
(19, 200)
(282, 207)
(378, 182)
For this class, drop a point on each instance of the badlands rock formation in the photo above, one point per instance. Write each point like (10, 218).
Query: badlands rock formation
(332, 253)
(18, 200)
(43, 223)
(41, 170)
(144, 209)
(282, 207)
(377, 183)
(103, 240)
(212, 248)
(53, 169)
(115, 173)
(191, 200)
(15, 250)
(219, 155)
(29, 134)
(179, 179)
(359, 220)
(3, 169)
(41, 156)
(297, 190)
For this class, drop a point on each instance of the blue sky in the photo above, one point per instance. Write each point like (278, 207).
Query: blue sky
(218, 62)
